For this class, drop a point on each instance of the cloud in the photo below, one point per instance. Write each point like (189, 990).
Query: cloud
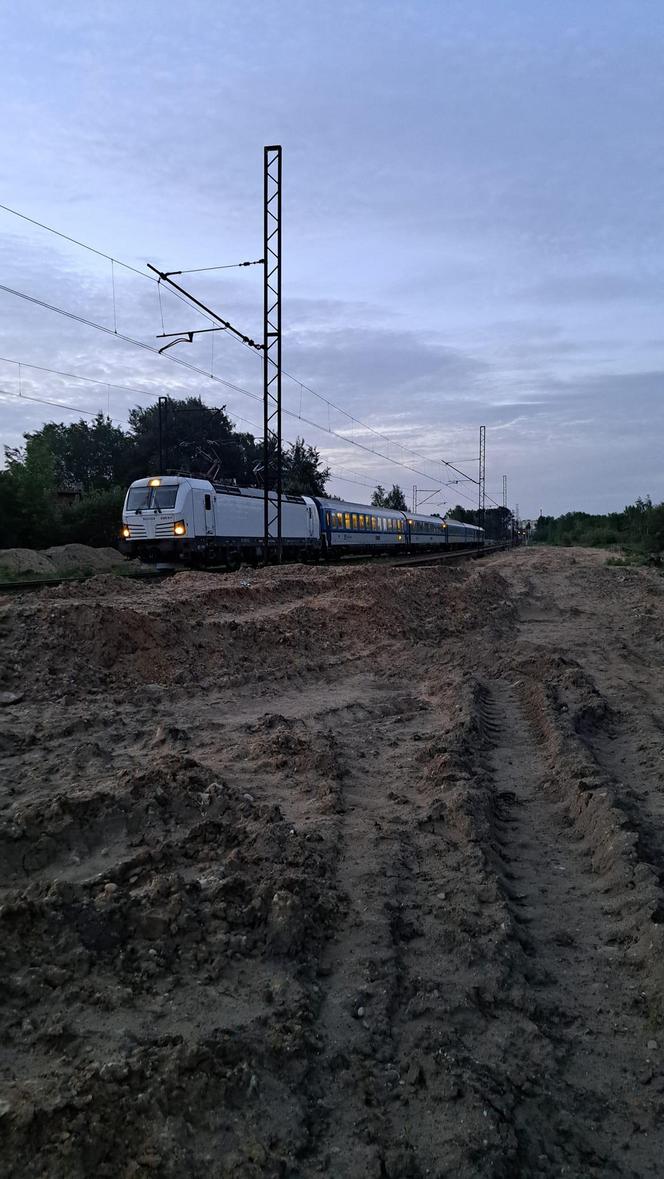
(472, 221)
(596, 287)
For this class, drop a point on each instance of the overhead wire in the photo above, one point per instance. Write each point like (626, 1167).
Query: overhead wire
(202, 372)
(108, 385)
(138, 343)
(58, 404)
(228, 266)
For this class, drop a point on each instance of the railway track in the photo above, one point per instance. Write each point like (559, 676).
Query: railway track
(12, 587)
(461, 554)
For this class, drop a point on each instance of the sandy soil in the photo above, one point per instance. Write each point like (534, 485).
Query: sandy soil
(58, 561)
(354, 872)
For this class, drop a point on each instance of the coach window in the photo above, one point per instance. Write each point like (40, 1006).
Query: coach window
(354, 518)
(360, 520)
(327, 518)
(347, 520)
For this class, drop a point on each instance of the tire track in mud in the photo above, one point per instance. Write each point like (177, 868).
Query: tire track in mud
(587, 1112)
(473, 1010)
(351, 1127)
(625, 738)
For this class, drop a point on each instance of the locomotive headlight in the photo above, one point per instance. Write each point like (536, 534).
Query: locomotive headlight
(154, 483)
(180, 528)
(126, 532)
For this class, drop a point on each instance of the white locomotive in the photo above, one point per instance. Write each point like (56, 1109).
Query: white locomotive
(177, 518)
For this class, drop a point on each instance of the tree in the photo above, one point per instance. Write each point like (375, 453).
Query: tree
(639, 529)
(94, 519)
(463, 515)
(302, 470)
(90, 455)
(394, 499)
(30, 488)
(196, 438)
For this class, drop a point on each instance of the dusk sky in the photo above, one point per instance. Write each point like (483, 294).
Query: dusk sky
(473, 227)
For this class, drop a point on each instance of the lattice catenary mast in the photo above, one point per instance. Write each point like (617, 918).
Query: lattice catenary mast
(481, 504)
(272, 351)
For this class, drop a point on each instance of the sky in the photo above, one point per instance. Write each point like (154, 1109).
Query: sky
(472, 229)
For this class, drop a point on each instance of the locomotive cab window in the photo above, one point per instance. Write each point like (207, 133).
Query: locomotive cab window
(138, 498)
(150, 498)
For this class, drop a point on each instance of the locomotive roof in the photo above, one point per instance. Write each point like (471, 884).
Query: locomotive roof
(208, 484)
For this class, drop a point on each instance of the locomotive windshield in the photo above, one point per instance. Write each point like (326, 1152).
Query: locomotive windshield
(140, 499)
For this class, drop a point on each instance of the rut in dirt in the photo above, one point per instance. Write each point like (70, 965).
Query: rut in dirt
(355, 1082)
(586, 1113)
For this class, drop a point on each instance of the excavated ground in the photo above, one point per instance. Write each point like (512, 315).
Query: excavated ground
(346, 872)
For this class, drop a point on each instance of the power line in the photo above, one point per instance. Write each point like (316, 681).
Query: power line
(74, 241)
(127, 339)
(202, 372)
(42, 368)
(246, 343)
(341, 475)
(228, 266)
(349, 477)
(58, 404)
(332, 405)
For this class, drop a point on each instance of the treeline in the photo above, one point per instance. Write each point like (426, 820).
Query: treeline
(68, 482)
(497, 522)
(639, 528)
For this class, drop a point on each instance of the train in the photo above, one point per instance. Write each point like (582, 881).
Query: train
(179, 519)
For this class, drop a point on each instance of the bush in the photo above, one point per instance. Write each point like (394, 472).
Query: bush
(93, 520)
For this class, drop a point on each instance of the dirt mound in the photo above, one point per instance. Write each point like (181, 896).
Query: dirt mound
(58, 561)
(207, 630)
(67, 558)
(14, 562)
